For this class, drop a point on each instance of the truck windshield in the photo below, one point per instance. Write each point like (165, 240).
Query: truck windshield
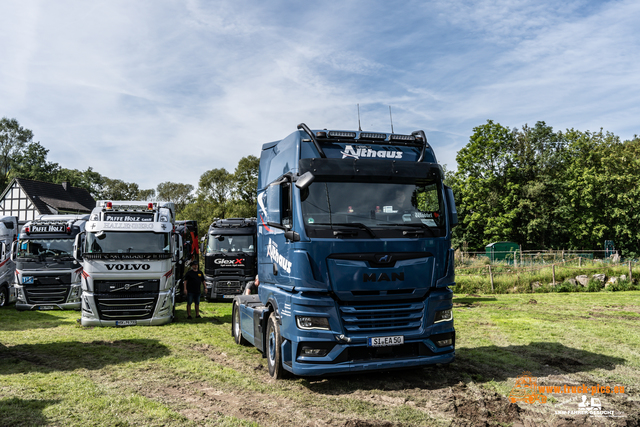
(373, 205)
(41, 248)
(115, 242)
(236, 243)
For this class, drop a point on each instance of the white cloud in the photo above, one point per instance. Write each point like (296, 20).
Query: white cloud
(162, 91)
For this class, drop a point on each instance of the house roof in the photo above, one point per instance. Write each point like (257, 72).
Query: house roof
(46, 195)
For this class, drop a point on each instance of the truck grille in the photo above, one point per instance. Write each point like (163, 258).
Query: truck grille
(46, 294)
(110, 286)
(227, 287)
(126, 305)
(399, 318)
(50, 279)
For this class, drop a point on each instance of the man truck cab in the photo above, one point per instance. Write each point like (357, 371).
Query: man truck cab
(354, 255)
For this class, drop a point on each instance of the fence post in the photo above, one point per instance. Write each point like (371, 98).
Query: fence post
(491, 276)
(553, 270)
(630, 277)
(579, 261)
(515, 259)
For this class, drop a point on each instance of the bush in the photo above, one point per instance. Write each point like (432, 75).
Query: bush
(566, 287)
(594, 286)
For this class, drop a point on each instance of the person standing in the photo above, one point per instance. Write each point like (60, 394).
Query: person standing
(192, 287)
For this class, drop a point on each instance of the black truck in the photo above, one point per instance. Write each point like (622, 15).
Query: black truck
(229, 250)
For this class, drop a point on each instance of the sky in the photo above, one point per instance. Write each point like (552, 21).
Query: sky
(149, 91)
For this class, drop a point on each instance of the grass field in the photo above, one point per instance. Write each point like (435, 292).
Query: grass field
(55, 372)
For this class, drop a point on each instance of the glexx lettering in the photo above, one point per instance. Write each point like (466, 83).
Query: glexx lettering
(128, 266)
(361, 152)
(272, 252)
(229, 262)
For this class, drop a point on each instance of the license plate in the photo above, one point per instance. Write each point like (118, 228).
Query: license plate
(126, 322)
(228, 296)
(386, 341)
(46, 307)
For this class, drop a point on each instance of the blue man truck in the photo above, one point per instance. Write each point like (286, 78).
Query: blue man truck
(354, 255)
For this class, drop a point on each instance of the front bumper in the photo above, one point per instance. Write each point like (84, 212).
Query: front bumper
(163, 312)
(71, 300)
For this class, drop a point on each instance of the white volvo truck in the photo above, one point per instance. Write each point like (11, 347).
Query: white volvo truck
(47, 275)
(128, 257)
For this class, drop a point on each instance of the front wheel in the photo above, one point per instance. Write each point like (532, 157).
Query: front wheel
(235, 325)
(274, 349)
(4, 296)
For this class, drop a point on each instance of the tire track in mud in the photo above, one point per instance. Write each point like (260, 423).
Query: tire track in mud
(446, 396)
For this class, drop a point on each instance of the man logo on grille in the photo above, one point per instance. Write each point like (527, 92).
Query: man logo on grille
(383, 259)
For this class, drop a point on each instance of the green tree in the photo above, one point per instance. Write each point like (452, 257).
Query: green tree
(215, 187)
(480, 182)
(13, 138)
(116, 189)
(179, 194)
(31, 163)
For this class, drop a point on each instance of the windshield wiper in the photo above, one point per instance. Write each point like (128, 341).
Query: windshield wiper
(349, 224)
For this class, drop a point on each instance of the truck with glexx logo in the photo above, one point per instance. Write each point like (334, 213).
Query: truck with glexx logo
(129, 252)
(354, 255)
(229, 249)
(47, 275)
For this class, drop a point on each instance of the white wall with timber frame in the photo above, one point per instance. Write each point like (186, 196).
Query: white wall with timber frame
(17, 203)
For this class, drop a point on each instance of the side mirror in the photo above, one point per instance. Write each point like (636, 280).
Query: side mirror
(4, 250)
(77, 247)
(305, 180)
(292, 236)
(452, 207)
(14, 248)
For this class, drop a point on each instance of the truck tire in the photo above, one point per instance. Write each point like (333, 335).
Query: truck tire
(4, 296)
(236, 331)
(273, 348)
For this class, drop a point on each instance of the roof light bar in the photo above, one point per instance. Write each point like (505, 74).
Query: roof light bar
(340, 134)
(369, 135)
(396, 137)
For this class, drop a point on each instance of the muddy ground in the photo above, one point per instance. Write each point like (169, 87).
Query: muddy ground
(460, 394)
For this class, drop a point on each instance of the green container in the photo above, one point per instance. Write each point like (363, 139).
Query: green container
(502, 251)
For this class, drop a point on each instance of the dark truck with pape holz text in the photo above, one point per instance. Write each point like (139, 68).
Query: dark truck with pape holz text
(229, 250)
(48, 277)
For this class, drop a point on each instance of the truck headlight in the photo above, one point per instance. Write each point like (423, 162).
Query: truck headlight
(310, 322)
(443, 316)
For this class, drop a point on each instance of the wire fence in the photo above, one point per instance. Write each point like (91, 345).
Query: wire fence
(527, 266)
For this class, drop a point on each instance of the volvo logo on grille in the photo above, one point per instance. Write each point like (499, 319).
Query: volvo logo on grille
(127, 287)
(127, 266)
